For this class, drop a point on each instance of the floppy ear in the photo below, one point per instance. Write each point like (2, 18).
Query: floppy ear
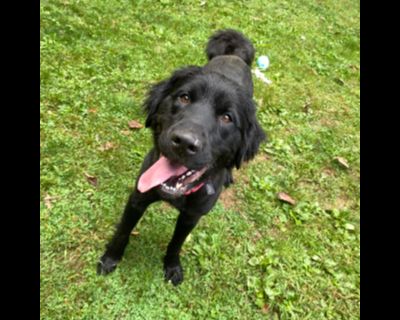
(162, 89)
(251, 138)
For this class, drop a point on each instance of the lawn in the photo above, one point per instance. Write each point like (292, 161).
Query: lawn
(253, 256)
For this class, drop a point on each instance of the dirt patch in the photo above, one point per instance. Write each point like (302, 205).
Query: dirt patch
(241, 176)
(166, 206)
(74, 261)
(328, 172)
(308, 184)
(229, 199)
(340, 203)
(261, 157)
(325, 122)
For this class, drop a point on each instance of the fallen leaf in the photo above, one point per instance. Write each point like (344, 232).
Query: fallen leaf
(339, 81)
(349, 227)
(91, 179)
(328, 172)
(48, 201)
(354, 67)
(133, 124)
(265, 308)
(286, 198)
(126, 132)
(92, 110)
(306, 107)
(107, 146)
(342, 162)
(135, 233)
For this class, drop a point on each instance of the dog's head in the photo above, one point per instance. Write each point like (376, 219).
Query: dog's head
(201, 123)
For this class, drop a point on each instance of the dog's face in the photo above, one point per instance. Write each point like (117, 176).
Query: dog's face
(202, 122)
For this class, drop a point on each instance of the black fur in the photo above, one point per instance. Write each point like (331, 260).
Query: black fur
(218, 92)
(230, 42)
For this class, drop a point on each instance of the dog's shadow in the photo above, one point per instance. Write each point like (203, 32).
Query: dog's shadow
(149, 240)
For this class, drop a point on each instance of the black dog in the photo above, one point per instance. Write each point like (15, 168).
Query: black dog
(204, 124)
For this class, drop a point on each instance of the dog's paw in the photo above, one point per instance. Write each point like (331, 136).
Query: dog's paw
(106, 265)
(173, 273)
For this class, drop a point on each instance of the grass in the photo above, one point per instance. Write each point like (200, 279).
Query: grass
(252, 257)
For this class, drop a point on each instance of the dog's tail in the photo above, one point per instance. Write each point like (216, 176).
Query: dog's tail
(230, 42)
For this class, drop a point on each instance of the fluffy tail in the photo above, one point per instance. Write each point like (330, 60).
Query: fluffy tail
(230, 42)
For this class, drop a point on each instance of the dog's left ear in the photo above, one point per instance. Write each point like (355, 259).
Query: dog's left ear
(252, 136)
(162, 89)
(154, 97)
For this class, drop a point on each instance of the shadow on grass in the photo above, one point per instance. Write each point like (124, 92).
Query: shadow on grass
(146, 250)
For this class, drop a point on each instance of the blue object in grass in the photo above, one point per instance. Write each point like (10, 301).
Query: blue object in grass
(263, 62)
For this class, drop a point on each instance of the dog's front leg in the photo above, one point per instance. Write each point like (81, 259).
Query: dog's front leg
(172, 267)
(134, 210)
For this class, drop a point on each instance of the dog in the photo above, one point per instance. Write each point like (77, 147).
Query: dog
(204, 124)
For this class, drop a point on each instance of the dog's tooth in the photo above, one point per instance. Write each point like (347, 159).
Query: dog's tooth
(178, 185)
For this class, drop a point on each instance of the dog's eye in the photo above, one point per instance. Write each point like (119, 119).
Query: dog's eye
(184, 99)
(226, 118)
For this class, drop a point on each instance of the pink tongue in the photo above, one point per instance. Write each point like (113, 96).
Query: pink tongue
(159, 172)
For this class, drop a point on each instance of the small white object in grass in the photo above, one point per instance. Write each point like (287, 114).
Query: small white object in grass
(263, 62)
(261, 76)
(349, 227)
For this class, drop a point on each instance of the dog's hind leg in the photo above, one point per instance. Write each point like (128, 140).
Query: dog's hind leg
(172, 267)
(134, 210)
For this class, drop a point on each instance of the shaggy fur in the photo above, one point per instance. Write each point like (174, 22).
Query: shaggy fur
(201, 118)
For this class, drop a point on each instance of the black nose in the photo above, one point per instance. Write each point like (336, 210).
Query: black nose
(185, 142)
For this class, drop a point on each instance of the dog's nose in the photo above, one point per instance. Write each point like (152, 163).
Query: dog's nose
(185, 142)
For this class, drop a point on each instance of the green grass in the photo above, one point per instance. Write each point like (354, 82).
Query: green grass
(252, 257)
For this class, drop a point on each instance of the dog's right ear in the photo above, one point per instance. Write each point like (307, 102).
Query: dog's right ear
(162, 89)
(252, 134)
